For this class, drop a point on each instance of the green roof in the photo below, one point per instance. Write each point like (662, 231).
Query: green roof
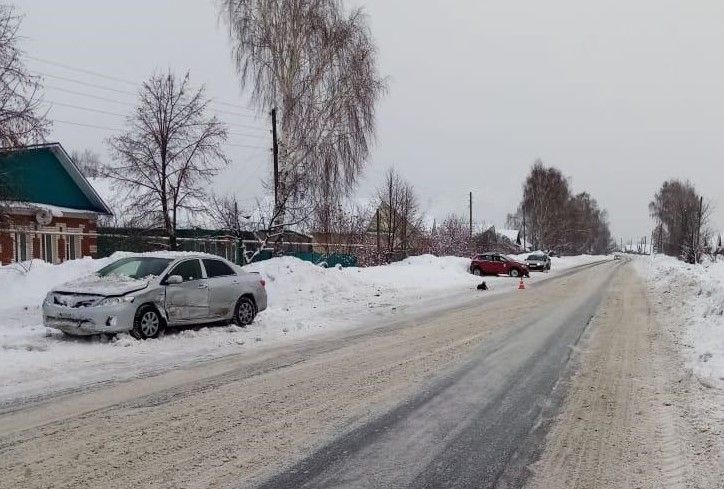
(45, 174)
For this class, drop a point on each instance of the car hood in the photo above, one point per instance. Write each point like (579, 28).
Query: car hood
(105, 286)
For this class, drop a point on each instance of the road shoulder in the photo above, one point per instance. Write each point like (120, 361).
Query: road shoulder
(628, 419)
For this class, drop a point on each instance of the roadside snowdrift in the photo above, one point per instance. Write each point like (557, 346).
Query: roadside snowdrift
(303, 299)
(693, 297)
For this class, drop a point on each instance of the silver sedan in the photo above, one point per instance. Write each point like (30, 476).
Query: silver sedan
(143, 294)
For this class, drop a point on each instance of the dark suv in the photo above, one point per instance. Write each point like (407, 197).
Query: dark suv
(498, 264)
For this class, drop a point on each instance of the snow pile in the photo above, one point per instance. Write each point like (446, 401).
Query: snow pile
(28, 288)
(304, 299)
(692, 296)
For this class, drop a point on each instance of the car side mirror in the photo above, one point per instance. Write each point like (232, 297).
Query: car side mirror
(174, 280)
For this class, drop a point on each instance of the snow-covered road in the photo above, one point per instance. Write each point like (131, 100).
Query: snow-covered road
(235, 421)
(303, 300)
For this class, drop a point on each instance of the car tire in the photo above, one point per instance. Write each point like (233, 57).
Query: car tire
(477, 272)
(514, 272)
(244, 312)
(147, 323)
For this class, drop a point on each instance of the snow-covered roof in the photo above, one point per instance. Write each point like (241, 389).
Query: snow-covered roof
(54, 210)
(511, 234)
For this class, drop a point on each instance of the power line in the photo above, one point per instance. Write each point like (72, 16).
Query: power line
(125, 104)
(88, 109)
(118, 129)
(93, 126)
(126, 92)
(116, 114)
(87, 84)
(117, 79)
(82, 70)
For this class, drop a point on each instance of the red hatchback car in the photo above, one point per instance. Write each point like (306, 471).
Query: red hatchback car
(497, 264)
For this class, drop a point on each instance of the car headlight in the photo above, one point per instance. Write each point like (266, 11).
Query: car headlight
(112, 301)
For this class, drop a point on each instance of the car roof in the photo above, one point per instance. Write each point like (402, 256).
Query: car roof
(171, 255)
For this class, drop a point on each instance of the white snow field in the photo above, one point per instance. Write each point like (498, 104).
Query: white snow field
(693, 298)
(304, 299)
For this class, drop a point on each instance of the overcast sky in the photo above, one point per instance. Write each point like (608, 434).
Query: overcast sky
(619, 95)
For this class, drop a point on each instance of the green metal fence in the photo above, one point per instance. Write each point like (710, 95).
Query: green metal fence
(111, 240)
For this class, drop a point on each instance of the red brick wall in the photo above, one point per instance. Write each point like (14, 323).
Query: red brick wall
(27, 224)
(6, 248)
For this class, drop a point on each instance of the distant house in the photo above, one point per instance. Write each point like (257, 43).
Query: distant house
(392, 230)
(501, 240)
(515, 236)
(49, 210)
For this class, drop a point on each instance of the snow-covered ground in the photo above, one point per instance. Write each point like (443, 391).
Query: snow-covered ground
(303, 300)
(693, 297)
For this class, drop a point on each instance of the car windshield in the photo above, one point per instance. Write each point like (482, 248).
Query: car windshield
(536, 258)
(136, 267)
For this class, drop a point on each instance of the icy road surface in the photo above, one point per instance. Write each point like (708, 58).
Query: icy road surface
(467, 395)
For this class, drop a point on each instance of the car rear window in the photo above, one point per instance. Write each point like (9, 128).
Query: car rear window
(217, 268)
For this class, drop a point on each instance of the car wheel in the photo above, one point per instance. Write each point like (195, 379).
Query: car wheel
(245, 312)
(148, 323)
(477, 272)
(514, 272)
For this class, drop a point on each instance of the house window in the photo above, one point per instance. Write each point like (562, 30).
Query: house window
(71, 248)
(48, 248)
(21, 247)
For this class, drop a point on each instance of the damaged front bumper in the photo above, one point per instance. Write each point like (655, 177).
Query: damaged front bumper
(82, 321)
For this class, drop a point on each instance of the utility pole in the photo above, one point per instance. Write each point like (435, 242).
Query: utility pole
(698, 230)
(275, 150)
(661, 238)
(471, 214)
(378, 235)
(524, 226)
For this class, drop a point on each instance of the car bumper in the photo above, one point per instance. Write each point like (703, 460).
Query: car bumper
(89, 320)
(261, 301)
(537, 267)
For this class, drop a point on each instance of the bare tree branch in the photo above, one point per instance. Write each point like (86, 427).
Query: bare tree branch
(22, 120)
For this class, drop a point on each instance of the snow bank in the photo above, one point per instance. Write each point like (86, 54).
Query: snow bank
(303, 299)
(29, 288)
(692, 296)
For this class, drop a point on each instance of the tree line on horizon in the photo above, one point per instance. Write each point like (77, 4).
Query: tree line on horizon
(557, 219)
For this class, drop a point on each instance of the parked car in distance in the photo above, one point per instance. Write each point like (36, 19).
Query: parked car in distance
(538, 261)
(142, 294)
(617, 256)
(498, 264)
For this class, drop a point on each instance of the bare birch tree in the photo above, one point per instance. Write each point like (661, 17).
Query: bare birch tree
(681, 216)
(318, 66)
(22, 118)
(169, 152)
